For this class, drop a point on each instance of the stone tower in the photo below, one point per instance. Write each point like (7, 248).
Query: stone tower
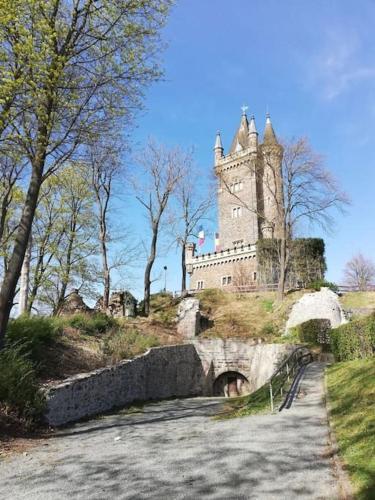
(250, 203)
(249, 185)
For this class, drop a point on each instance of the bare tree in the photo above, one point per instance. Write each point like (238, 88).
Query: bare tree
(192, 206)
(161, 171)
(85, 62)
(300, 188)
(359, 272)
(104, 165)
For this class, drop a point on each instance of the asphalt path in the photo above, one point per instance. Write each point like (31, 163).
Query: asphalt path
(176, 450)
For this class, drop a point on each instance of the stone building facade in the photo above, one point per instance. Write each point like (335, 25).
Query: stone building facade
(250, 201)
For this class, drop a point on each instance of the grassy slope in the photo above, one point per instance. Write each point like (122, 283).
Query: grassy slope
(351, 388)
(246, 315)
(358, 300)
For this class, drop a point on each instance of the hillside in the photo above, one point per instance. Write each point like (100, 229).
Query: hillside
(351, 389)
(245, 315)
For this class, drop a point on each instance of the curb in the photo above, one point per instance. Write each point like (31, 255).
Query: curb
(344, 485)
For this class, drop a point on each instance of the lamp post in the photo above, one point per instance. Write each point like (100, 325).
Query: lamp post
(165, 278)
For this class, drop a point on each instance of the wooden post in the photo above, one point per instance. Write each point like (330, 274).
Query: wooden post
(271, 396)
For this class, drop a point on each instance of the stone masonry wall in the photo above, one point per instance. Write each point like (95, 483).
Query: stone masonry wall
(211, 273)
(163, 372)
(256, 362)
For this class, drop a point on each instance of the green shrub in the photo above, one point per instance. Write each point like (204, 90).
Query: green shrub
(318, 284)
(91, 324)
(354, 340)
(314, 331)
(267, 305)
(127, 343)
(33, 333)
(269, 329)
(19, 389)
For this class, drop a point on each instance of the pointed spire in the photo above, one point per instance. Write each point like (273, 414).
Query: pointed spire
(218, 144)
(218, 149)
(240, 140)
(252, 126)
(253, 135)
(269, 134)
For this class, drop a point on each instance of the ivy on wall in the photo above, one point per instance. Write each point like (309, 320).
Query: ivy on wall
(306, 262)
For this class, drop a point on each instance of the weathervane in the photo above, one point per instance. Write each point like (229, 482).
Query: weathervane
(244, 109)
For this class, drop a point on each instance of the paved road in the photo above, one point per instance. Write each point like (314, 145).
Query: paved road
(175, 450)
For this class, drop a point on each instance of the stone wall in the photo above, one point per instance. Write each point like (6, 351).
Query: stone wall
(256, 362)
(163, 372)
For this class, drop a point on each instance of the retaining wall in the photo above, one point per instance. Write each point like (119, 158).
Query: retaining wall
(163, 372)
(256, 362)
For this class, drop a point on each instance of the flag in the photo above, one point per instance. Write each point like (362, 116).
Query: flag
(217, 242)
(200, 236)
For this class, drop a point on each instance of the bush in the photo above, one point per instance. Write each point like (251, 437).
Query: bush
(93, 324)
(19, 389)
(269, 329)
(354, 340)
(318, 284)
(33, 334)
(127, 343)
(314, 331)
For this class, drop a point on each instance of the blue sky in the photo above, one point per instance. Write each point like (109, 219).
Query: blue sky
(310, 64)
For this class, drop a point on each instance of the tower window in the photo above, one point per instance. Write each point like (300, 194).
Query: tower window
(236, 186)
(226, 280)
(200, 285)
(236, 212)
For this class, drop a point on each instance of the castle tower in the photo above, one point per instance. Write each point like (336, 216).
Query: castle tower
(237, 188)
(249, 199)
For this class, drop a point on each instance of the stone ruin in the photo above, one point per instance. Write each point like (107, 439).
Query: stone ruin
(188, 318)
(122, 304)
(74, 304)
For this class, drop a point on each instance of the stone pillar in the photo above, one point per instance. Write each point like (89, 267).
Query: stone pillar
(188, 318)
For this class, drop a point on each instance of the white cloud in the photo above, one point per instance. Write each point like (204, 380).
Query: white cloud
(339, 65)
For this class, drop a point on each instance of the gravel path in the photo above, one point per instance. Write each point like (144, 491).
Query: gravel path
(174, 450)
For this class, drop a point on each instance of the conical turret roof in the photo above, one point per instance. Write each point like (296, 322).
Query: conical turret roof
(240, 140)
(269, 133)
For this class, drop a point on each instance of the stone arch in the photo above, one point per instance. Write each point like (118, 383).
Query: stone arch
(231, 384)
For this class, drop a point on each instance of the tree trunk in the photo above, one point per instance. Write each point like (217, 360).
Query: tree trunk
(282, 276)
(12, 274)
(25, 280)
(106, 272)
(183, 268)
(147, 278)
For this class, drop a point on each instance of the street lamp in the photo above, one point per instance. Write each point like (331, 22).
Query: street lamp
(165, 278)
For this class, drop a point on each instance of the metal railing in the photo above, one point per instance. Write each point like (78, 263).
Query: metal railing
(286, 372)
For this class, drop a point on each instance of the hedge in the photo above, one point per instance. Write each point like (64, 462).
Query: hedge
(314, 331)
(354, 340)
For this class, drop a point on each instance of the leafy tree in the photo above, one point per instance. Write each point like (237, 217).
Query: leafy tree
(64, 229)
(66, 68)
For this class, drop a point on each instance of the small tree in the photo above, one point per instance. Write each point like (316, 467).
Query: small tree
(161, 171)
(191, 207)
(359, 272)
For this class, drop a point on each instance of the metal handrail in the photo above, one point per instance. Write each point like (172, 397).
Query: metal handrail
(287, 370)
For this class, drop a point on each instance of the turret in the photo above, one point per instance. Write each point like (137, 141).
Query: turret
(269, 134)
(253, 136)
(240, 140)
(218, 149)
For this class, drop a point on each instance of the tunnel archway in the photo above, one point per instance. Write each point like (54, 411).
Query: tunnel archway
(231, 384)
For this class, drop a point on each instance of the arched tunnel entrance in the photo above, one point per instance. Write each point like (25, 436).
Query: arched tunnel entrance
(231, 384)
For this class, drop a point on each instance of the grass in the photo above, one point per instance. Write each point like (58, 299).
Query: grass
(354, 300)
(256, 403)
(246, 315)
(351, 389)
